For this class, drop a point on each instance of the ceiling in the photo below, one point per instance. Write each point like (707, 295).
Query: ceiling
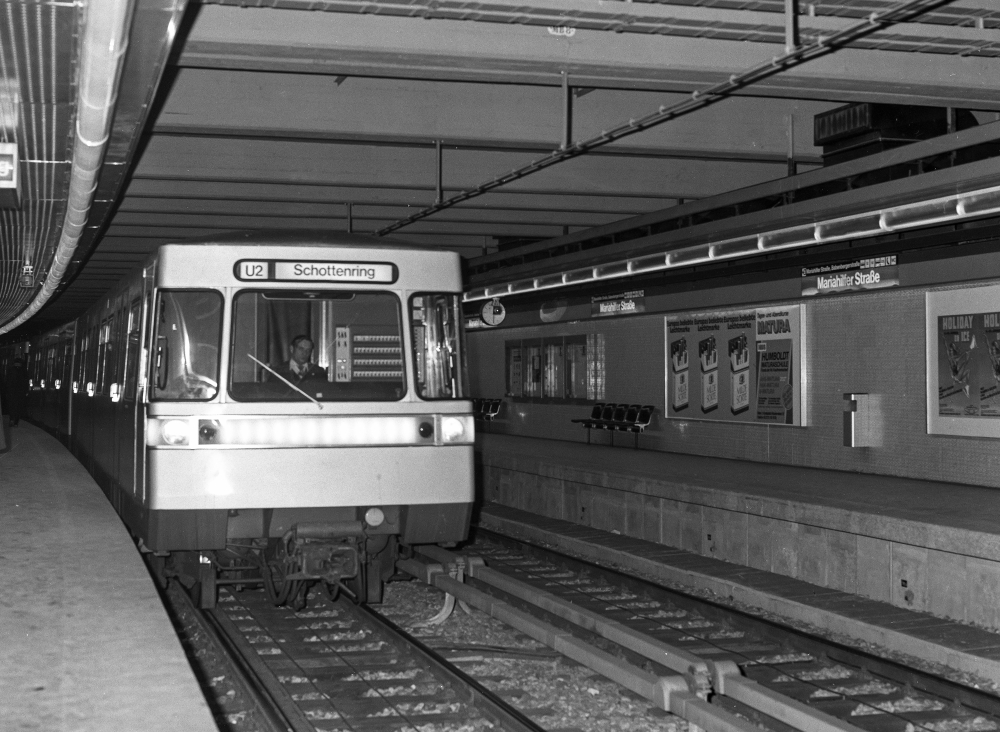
(351, 114)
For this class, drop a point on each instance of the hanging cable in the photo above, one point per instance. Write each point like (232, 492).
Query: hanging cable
(698, 99)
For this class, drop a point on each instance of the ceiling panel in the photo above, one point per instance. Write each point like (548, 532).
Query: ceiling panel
(331, 115)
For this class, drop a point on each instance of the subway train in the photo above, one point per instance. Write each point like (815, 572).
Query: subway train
(287, 410)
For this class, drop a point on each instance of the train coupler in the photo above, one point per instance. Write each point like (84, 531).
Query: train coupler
(317, 560)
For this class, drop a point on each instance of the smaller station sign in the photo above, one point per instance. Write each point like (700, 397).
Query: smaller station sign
(257, 270)
(619, 303)
(872, 273)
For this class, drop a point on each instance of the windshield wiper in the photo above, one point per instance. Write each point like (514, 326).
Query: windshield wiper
(258, 361)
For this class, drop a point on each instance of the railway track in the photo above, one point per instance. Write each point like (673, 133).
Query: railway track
(340, 666)
(719, 669)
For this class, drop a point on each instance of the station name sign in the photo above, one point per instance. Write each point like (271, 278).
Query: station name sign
(257, 270)
(873, 273)
(620, 303)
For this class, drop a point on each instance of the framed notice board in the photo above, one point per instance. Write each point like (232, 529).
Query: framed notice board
(743, 366)
(963, 361)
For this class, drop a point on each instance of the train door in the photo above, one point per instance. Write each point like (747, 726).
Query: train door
(88, 391)
(142, 385)
(125, 414)
(78, 390)
(104, 425)
(66, 386)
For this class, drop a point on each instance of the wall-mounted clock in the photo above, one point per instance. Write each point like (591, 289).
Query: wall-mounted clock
(493, 312)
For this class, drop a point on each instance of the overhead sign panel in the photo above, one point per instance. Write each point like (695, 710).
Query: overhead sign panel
(315, 271)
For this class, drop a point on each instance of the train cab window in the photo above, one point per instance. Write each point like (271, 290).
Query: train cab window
(185, 362)
(437, 352)
(323, 346)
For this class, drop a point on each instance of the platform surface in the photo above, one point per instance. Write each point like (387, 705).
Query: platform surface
(945, 516)
(85, 643)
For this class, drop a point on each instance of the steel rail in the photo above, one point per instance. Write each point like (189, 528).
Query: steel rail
(927, 682)
(248, 671)
(486, 702)
(699, 99)
(276, 706)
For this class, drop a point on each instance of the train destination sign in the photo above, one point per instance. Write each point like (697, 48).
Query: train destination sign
(313, 271)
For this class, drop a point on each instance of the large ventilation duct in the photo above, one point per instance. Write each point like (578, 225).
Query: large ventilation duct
(105, 39)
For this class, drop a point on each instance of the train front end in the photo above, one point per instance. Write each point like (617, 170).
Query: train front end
(307, 414)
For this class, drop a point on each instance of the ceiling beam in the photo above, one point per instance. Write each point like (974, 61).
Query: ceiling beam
(266, 39)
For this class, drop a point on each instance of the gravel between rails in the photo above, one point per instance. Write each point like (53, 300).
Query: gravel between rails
(555, 692)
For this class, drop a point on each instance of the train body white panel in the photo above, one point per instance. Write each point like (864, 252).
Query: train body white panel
(292, 477)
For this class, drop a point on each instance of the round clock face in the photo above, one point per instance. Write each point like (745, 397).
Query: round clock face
(493, 313)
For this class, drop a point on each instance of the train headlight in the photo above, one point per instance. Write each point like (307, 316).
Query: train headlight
(175, 432)
(452, 429)
(374, 517)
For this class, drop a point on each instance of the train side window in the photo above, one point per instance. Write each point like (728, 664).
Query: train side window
(81, 360)
(438, 356)
(132, 350)
(90, 373)
(185, 362)
(105, 355)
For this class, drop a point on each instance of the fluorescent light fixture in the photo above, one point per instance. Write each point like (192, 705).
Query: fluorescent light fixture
(980, 203)
(649, 264)
(931, 212)
(788, 238)
(579, 275)
(734, 248)
(542, 283)
(872, 223)
(522, 286)
(615, 269)
(867, 225)
(690, 256)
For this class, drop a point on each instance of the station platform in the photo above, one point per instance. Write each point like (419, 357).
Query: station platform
(919, 555)
(85, 642)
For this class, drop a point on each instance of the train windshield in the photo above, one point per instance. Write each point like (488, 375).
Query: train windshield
(321, 346)
(186, 351)
(437, 352)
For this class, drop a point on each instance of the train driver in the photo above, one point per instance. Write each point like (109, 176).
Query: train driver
(298, 367)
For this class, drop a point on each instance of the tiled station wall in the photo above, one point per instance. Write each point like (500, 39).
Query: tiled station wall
(948, 573)
(871, 342)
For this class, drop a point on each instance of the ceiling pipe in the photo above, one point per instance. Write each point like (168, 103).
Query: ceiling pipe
(105, 40)
(698, 99)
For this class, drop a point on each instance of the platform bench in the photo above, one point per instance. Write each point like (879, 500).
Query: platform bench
(634, 418)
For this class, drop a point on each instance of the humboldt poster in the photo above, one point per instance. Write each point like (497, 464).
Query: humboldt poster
(736, 365)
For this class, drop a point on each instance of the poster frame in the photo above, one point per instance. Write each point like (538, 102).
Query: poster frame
(801, 363)
(939, 303)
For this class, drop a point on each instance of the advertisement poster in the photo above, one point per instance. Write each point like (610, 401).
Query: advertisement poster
(748, 369)
(963, 362)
